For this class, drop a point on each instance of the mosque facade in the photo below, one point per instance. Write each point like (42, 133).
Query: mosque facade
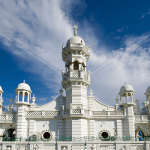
(75, 115)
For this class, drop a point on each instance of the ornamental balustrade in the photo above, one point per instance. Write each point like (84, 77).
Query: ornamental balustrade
(108, 113)
(79, 111)
(141, 118)
(42, 113)
(9, 117)
(77, 145)
(76, 74)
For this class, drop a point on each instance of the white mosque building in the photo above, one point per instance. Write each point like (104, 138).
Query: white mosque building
(76, 114)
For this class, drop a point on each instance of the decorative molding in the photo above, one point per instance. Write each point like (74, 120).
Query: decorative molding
(51, 135)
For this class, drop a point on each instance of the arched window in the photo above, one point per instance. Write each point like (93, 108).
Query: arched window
(76, 65)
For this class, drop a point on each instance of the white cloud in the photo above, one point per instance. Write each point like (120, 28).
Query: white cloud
(124, 28)
(43, 26)
(145, 14)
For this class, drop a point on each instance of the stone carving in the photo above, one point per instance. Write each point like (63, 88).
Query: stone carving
(21, 147)
(49, 133)
(35, 147)
(137, 147)
(92, 147)
(122, 148)
(107, 148)
(64, 148)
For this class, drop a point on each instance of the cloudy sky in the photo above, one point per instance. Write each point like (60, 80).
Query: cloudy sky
(32, 34)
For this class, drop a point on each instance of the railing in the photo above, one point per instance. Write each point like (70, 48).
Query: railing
(141, 118)
(66, 75)
(42, 113)
(7, 117)
(108, 113)
(76, 74)
(76, 111)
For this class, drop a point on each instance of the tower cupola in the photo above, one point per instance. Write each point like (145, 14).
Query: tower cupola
(126, 91)
(24, 90)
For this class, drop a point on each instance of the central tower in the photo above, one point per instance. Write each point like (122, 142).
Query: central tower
(75, 80)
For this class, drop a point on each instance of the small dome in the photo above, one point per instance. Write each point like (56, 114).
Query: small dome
(126, 88)
(23, 86)
(148, 90)
(76, 40)
(1, 90)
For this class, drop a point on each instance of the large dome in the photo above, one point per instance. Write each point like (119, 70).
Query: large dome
(126, 88)
(75, 40)
(1, 89)
(148, 90)
(23, 86)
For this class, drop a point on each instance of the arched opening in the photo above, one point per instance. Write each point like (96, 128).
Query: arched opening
(20, 96)
(76, 65)
(25, 97)
(9, 135)
(141, 134)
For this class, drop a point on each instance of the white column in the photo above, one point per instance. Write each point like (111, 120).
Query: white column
(1, 96)
(23, 96)
(121, 99)
(127, 97)
(18, 95)
(132, 97)
(28, 97)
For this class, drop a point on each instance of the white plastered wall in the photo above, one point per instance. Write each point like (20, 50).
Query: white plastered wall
(46, 124)
(104, 125)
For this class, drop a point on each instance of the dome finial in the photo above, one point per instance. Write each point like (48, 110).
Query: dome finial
(75, 30)
(23, 81)
(125, 83)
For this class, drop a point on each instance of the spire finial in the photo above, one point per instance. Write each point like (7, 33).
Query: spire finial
(125, 83)
(91, 92)
(23, 81)
(61, 91)
(75, 30)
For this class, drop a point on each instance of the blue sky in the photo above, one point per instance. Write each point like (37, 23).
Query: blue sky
(111, 28)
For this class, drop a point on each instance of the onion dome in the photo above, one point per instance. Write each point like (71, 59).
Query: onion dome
(147, 90)
(1, 90)
(126, 88)
(75, 39)
(23, 86)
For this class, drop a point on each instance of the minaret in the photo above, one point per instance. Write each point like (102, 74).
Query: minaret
(23, 93)
(75, 80)
(127, 102)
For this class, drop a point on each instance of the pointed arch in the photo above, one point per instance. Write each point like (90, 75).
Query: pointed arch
(76, 65)
(144, 132)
